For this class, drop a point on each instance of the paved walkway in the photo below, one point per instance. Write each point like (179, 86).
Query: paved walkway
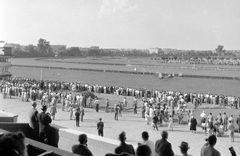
(131, 123)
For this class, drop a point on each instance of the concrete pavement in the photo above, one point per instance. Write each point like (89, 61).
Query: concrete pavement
(131, 123)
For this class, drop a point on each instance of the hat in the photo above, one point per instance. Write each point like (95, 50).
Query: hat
(44, 107)
(34, 104)
(184, 145)
(100, 118)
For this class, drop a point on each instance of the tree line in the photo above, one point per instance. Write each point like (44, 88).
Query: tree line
(44, 49)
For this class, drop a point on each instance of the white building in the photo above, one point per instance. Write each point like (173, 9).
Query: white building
(153, 50)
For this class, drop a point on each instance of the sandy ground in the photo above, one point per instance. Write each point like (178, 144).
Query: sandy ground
(131, 123)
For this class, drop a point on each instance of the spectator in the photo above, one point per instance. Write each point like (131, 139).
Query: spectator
(147, 142)
(163, 147)
(13, 144)
(53, 110)
(143, 150)
(193, 124)
(33, 121)
(123, 146)
(231, 119)
(97, 103)
(100, 126)
(238, 123)
(82, 113)
(184, 148)
(232, 151)
(231, 131)
(135, 105)
(208, 148)
(155, 121)
(170, 123)
(225, 121)
(82, 148)
(116, 111)
(44, 125)
(107, 105)
(77, 117)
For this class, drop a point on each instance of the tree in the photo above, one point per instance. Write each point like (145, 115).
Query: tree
(220, 50)
(160, 51)
(32, 51)
(94, 52)
(44, 47)
(74, 51)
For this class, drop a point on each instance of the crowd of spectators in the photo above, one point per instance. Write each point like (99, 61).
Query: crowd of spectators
(211, 61)
(37, 89)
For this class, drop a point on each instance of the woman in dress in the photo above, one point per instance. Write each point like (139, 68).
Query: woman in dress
(170, 123)
(193, 124)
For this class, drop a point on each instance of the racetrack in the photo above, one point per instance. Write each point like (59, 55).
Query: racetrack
(215, 86)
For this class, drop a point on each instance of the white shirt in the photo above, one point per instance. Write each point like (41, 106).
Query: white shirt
(150, 144)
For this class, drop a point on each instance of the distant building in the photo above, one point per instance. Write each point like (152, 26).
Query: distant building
(94, 47)
(5, 49)
(2, 47)
(5, 53)
(57, 48)
(153, 50)
(111, 51)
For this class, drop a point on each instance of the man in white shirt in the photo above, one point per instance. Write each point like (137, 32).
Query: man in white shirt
(203, 115)
(147, 142)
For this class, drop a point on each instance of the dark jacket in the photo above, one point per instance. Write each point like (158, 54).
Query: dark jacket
(125, 148)
(33, 120)
(81, 150)
(77, 115)
(100, 125)
(44, 121)
(163, 148)
(193, 124)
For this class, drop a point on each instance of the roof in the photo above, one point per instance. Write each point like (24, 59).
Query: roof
(2, 44)
(8, 45)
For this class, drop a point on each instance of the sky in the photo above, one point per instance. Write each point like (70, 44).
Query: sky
(141, 24)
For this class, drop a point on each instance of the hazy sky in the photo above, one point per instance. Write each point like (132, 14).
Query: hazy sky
(180, 24)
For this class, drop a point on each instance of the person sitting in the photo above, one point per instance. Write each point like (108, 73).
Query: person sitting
(82, 148)
(123, 146)
(12, 144)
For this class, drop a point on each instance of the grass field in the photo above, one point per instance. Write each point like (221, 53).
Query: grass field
(170, 68)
